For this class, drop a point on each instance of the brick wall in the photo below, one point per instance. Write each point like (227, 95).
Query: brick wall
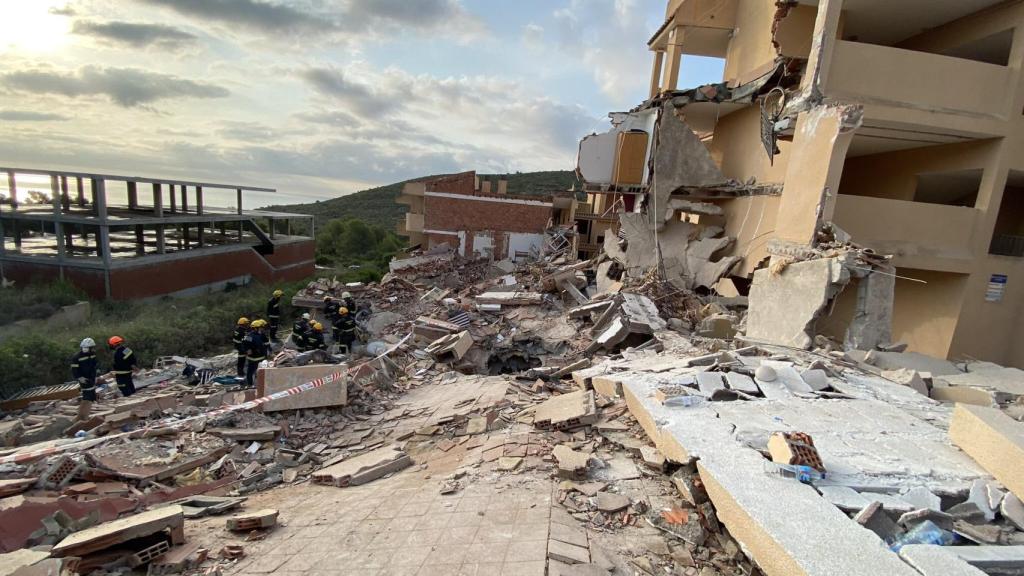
(462, 183)
(471, 215)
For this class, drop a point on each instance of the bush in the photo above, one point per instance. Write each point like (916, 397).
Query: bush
(36, 300)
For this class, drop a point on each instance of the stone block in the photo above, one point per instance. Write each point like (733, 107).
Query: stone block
(273, 380)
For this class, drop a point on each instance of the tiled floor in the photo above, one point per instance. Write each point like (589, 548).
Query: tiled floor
(402, 525)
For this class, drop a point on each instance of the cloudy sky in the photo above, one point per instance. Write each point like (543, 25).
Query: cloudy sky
(317, 98)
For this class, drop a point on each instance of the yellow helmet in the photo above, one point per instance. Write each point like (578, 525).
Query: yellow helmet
(278, 292)
(318, 326)
(243, 321)
(259, 323)
(343, 310)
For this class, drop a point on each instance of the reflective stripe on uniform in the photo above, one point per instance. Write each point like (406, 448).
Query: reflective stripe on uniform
(122, 372)
(257, 359)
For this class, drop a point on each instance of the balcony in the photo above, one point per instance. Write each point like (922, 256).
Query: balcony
(921, 85)
(919, 235)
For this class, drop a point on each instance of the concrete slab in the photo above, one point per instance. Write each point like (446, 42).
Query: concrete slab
(742, 383)
(845, 498)
(566, 411)
(271, 380)
(937, 561)
(784, 306)
(994, 440)
(737, 484)
(991, 558)
(912, 361)
(364, 468)
(109, 534)
(12, 561)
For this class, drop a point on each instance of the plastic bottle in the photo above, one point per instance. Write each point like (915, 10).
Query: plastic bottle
(926, 532)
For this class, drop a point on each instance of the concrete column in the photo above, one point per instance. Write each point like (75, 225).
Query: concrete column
(184, 236)
(56, 198)
(826, 29)
(199, 199)
(17, 233)
(140, 240)
(241, 226)
(200, 234)
(99, 198)
(872, 318)
(270, 222)
(81, 191)
(820, 142)
(65, 199)
(158, 200)
(133, 195)
(174, 201)
(12, 188)
(184, 198)
(674, 49)
(239, 192)
(659, 58)
(161, 244)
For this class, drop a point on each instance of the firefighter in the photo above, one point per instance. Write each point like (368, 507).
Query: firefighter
(316, 338)
(125, 365)
(274, 312)
(83, 369)
(345, 329)
(331, 309)
(256, 349)
(349, 302)
(238, 339)
(300, 332)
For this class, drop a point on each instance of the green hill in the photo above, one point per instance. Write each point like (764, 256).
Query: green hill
(377, 205)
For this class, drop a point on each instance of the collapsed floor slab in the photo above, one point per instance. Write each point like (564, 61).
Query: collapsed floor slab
(880, 440)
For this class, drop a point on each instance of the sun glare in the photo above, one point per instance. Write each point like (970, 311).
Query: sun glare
(28, 26)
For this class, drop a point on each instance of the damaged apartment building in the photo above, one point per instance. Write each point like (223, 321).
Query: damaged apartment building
(858, 167)
(462, 211)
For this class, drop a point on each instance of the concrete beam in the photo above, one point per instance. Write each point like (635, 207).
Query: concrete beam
(659, 59)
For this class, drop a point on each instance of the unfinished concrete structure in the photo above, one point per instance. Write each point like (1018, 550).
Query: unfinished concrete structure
(898, 122)
(163, 240)
(463, 212)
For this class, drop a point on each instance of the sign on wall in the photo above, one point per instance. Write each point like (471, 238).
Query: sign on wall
(996, 288)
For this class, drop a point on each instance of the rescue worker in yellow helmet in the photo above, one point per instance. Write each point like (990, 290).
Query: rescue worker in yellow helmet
(345, 329)
(238, 340)
(316, 338)
(274, 312)
(256, 349)
(125, 365)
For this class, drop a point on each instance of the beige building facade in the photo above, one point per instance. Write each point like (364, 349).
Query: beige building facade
(900, 122)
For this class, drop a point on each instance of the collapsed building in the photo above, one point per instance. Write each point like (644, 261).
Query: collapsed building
(836, 121)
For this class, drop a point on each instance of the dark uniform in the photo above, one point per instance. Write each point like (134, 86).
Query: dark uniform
(83, 367)
(316, 341)
(238, 339)
(300, 333)
(345, 331)
(124, 362)
(256, 348)
(350, 303)
(331, 310)
(274, 315)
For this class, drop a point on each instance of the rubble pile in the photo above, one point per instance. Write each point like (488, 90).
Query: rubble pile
(643, 404)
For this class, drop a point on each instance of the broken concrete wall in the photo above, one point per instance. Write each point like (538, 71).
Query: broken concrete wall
(784, 306)
(872, 318)
(680, 159)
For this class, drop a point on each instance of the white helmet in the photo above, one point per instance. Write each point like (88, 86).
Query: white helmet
(346, 295)
(88, 343)
(305, 316)
(450, 302)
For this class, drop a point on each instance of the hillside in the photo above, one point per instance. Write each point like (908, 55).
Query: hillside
(377, 205)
